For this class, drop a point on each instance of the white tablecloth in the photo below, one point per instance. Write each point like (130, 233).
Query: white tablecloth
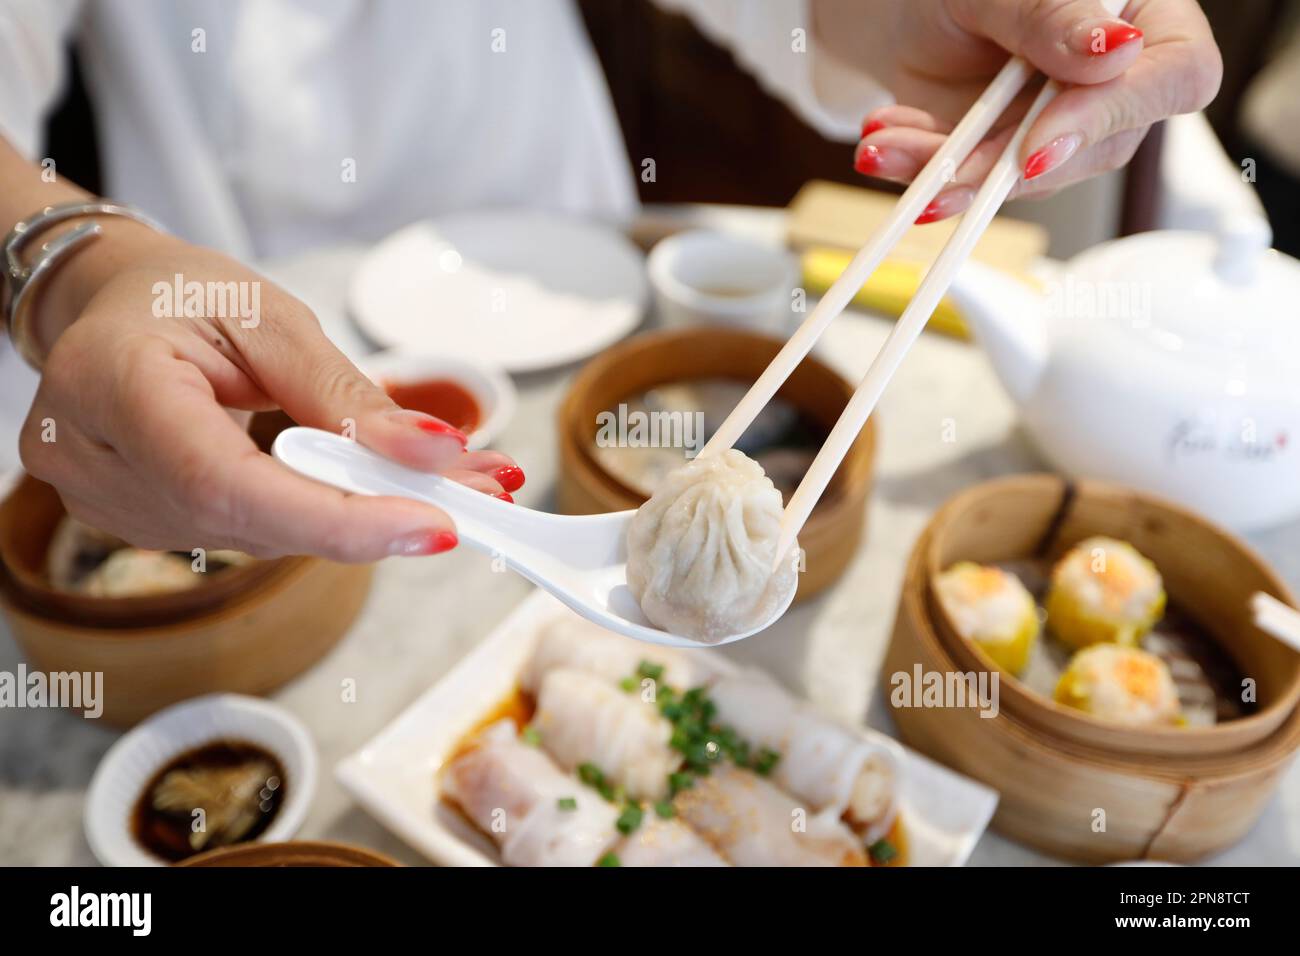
(425, 613)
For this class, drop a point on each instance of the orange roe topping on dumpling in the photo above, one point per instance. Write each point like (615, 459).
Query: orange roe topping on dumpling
(1140, 676)
(1117, 583)
(985, 581)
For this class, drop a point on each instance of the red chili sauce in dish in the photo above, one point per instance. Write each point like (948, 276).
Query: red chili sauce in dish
(441, 398)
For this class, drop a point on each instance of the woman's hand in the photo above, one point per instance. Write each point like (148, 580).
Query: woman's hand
(1122, 75)
(145, 445)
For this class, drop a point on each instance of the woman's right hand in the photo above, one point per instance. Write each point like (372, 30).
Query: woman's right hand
(936, 56)
(138, 419)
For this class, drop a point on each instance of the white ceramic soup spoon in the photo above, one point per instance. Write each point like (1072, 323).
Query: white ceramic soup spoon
(582, 560)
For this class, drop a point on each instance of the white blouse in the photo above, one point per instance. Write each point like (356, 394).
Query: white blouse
(262, 127)
(265, 127)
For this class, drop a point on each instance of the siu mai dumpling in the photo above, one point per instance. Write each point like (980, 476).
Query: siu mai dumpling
(991, 608)
(1104, 590)
(1123, 685)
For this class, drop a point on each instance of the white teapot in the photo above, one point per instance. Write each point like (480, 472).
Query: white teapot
(1169, 361)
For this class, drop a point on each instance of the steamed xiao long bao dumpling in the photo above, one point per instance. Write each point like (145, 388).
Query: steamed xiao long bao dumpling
(991, 608)
(701, 550)
(1123, 685)
(1104, 590)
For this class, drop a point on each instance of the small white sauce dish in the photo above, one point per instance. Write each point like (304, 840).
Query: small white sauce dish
(136, 758)
(491, 387)
(710, 278)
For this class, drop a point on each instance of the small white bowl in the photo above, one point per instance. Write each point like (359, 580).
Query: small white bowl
(710, 278)
(491, 387)
(133, 761)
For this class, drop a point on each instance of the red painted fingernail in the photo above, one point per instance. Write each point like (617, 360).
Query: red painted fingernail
(509, 477)
(868, 160)
(884, 162)
(947, 203)
(1099, 38)
(930, 213)
(436, 426)
(505, 496)
(1052, 155)
(1115, 35)
(869, 126)
(425, 542)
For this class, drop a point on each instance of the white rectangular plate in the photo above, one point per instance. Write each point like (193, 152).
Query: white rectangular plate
(395, 775)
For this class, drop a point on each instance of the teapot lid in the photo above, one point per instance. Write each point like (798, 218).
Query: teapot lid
(1193, 291)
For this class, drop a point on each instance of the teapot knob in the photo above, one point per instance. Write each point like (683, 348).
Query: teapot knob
(1243, 238)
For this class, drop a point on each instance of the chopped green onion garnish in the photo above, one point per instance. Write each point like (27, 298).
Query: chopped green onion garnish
(629, 684)
(567, 803)
(765, 761)
(531, 736)
(629, 819)
(882, 851)
(609, 859)
(650, 670)
(677, 782)
(665, 809)
(698, 757)
(590, 774)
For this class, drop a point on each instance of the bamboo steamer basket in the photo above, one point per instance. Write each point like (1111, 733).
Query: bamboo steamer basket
(28, 521)
(1081, 792)
(834, 531)
(250, 644)
(247, 633)
(1208, 573)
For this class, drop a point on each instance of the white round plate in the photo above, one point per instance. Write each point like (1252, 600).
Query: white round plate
(519, 290)
(491, 387)
(132, 762)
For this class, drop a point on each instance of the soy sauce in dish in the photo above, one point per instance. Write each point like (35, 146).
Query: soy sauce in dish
(219, 794)
(441, 398)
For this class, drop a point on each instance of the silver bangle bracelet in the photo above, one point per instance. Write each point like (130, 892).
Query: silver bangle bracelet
(21, 281)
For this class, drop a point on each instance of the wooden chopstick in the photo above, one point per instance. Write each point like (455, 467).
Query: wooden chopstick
(1004, 175)
(938, 171)
(941, 168)
(1275, 618)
